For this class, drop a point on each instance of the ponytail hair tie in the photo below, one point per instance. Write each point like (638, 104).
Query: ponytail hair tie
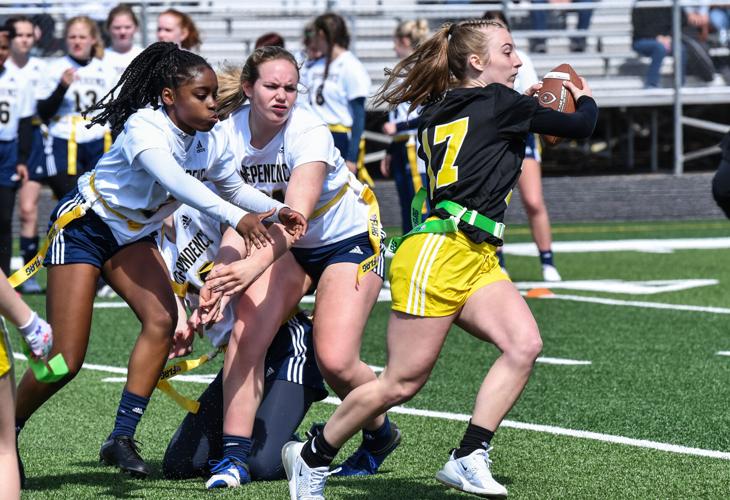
(450, 33)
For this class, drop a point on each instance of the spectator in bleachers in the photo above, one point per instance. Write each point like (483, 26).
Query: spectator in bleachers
(270, 39)
(338, 85)
(400, 160)
(652, 37)
(122, 25)
(177, 27)
(540, 22)
(720, 20)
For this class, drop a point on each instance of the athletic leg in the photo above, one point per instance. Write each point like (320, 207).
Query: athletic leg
(277, 419)
(7, 204)
(138, 274)
(9, 477)
(199, 437)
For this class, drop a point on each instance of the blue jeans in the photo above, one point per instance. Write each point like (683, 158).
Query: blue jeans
(539, 20)
(651, 47)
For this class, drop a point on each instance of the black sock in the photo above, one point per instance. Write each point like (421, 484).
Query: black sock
(475, 438)
(546, 258)
(318, 452)
(28, 248)
(378, 439)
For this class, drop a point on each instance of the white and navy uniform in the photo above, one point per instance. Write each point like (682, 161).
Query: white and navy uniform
(76, 149)
(404, 159)
(526, 78)
(142, 180)
(197, 241)
(347, 79)
(118, 62)
(35, 72)
(340, 233)
(292, 380)
(16, 103)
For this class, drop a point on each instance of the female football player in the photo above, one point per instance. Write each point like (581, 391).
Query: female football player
(16, 109)
(37, 333)
(337, 85)
(189, 243)
(35, 172)
(530, 183)
(400, 159)
(281, 146)
(122, 24)
(473, 131)
(165, 116)
(177, 27)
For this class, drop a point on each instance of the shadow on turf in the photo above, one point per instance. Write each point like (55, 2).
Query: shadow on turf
(114, 482)
(422, 487)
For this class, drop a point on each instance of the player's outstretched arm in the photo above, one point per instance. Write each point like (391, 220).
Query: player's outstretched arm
(36, 332)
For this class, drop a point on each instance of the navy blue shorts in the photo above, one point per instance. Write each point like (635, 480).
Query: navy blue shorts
(86, 240)
(37, 161)
(8, 162)
(532, 148)
(291, 355)
(354, 249)
(87, 155)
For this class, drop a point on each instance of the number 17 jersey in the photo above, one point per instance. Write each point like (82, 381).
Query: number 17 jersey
(473, 143)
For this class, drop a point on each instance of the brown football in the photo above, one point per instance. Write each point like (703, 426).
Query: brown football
(555, 96)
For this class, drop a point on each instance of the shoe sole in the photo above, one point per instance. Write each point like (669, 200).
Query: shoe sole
(443, 479)
(289, 453)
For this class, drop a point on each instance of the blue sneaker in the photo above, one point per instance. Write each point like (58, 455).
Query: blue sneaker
(227, 473)
(366, 463)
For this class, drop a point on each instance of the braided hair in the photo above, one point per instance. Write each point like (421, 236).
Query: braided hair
(161, 65)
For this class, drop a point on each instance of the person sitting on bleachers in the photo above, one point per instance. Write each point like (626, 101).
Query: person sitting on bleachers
(539, 20)
(652, 37)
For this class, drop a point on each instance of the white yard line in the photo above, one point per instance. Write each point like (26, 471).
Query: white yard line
(548, 429)
(723, 353)
(561, 361)
(638, 303)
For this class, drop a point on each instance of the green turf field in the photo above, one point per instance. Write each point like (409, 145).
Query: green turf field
(645, 414)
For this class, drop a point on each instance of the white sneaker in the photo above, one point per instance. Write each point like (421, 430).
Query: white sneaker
(227, 474)
(550, 273)
(305, 483)
(471, 474)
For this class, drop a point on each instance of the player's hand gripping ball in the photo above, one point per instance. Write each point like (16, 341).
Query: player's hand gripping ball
(555, 95)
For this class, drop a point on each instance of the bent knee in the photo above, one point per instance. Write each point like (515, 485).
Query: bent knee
(160, 322)
(267, 467)
(526, 349)
(338, 371)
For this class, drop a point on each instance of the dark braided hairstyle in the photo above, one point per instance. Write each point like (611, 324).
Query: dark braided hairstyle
(335, 31)
(161, 65)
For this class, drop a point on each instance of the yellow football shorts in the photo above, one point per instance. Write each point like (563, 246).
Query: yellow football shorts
(6, 362)
(434, 274)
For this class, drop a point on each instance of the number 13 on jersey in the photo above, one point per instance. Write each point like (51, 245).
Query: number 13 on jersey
(453, 134)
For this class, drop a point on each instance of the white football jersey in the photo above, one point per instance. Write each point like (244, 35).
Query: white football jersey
(197, 240)
(401, 114)
(347, 80)
(91, 83)
(526, 74)
(119, 62)
(304, 139)
(35, 73)
(132, 191)
(16, 102)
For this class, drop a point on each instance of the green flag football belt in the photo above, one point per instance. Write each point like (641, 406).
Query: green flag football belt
(451, 225)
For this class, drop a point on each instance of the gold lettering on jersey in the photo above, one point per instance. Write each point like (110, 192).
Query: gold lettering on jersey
(453, 134)
(189, 255)
(271, 173)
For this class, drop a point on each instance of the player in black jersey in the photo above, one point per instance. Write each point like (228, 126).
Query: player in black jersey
(472, 132)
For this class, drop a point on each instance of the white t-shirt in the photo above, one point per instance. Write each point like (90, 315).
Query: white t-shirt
(197, 240)
(526, 75)
(35, 73)
(16, 102)
(134, 193)
(91, 83)
(119, 62)
(347, 80)
(303, 139)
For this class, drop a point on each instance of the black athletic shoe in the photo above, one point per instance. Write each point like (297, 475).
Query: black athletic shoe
(122, 452)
